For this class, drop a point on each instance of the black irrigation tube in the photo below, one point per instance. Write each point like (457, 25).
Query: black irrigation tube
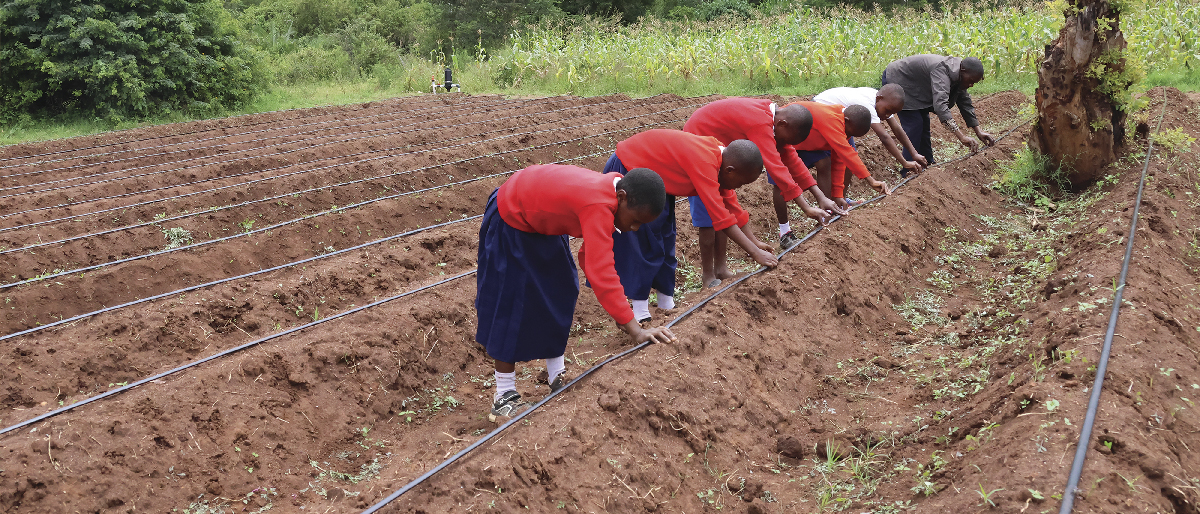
(261, 156)
(181, 216)
(178, 134)
(290, 264)
(636, 348)
(359, 161)
(515, 104)
(1085, 431)
(235, 349)
(347, 207)
(261, 340)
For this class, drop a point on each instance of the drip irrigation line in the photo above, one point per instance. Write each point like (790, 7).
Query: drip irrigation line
(426, 119)
(178, 134)
(681, 317)
(262, 156)
(359, 161)
(281, 266)
(1089, 420)
(335, 209)
(208, 211)
(230, 351)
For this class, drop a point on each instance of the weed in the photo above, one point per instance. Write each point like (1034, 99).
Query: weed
(247, 224)
(1173, 141)
(987, 495)
(177, 237)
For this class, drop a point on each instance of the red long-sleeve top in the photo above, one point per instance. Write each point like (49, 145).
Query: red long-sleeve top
(688, 165)
(556, 199)
(754, 119)
(829, 133)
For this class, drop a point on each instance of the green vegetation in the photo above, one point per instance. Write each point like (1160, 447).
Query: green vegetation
(298, 53)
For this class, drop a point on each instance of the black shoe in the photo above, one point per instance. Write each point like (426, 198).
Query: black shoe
(788, 240)
(509, 405)
(559, 382)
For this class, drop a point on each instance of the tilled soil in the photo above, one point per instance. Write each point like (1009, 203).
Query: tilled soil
(930, 352)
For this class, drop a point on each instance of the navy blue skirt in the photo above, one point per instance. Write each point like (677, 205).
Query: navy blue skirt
(526, 289)
(646, 258)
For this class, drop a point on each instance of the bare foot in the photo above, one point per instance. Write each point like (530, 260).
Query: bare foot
(723, 273)
(707, 281)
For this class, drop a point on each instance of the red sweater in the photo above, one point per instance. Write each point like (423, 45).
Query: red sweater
(555, 199)
(688, 165)
(829, 133)
(752, 118)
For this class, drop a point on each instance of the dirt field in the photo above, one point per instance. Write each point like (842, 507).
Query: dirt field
(931, 352)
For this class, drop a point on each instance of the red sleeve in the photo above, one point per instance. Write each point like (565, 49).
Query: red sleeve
(599, 265)
(740, 216)
(800, 172)
(764, 138)
(844, 156)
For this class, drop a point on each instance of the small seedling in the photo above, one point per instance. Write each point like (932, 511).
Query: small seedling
(987, 496)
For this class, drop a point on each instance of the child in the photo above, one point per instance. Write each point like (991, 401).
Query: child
(773, 130)
(527, 283)
(700, 167)
(830, 148)
(933, 83)
(883, 103)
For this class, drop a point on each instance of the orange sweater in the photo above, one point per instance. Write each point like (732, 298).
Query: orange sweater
(829, 133)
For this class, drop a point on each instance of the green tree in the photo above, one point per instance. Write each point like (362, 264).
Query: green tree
(465, 25)
(116, 59)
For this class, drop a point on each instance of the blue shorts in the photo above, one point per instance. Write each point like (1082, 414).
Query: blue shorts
(700, 217)
(810, 157)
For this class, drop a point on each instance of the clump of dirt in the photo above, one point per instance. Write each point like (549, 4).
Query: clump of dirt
(929, 352)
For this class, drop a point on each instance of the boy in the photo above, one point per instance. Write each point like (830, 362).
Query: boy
(773, 130)
(830, 148)
(883, 103)
(689, 165)
(527, 284)
(932, 83)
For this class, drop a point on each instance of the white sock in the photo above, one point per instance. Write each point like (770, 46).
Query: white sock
(505, 382)
(641, 309)
(665, 302)
(554, 367)
(784, 228)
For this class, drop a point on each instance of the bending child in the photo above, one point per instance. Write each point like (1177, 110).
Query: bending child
(527, 283)
(830, 149)
(696, 166)
(773, 130)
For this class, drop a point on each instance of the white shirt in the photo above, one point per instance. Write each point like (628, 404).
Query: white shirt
(847, 96)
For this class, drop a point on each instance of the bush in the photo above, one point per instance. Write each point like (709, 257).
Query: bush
(113, 59)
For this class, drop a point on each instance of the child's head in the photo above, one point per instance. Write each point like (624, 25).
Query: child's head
(641, 197)
(970, 72)
(889, 100)
(858, 120)
(741, 164)
(793, 122)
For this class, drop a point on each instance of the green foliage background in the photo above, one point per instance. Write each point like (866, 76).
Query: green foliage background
(115, 59)
(68, 67)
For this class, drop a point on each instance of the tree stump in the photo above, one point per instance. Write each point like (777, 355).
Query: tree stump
(1082, 87)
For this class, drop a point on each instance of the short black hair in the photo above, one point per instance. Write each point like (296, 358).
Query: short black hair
(858, 117)
(744, 155)
(971, 65)
(644, 189)
(894, 91)
(799, 116)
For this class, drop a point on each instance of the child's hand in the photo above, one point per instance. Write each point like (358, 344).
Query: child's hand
(820, 215)
(921, 160)
(879, 185)
(830, 206)
(913, 166)
(766, 259)
(764, 247)
(654, 335)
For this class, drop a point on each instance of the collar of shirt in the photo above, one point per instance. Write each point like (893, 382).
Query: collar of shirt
(615, 180)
